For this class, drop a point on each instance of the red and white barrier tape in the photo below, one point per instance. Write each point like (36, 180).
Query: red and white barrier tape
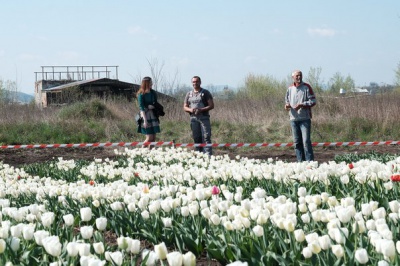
(171, 143)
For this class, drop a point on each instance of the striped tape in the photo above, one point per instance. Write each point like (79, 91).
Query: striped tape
(171, 143)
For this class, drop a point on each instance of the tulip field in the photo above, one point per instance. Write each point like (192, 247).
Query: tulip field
(172, 206)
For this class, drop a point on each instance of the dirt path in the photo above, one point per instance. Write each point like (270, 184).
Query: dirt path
(19, 157)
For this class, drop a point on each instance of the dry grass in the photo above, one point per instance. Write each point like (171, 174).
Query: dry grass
(363, 118)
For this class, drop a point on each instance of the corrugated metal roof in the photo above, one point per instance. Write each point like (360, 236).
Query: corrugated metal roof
(103, 81)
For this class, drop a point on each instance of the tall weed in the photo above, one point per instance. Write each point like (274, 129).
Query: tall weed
(365, 118)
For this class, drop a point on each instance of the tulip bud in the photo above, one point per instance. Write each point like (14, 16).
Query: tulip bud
(86, 214)
(189, 259)
(161, 251)
(98, 248)
(361, 256)
(175, 258)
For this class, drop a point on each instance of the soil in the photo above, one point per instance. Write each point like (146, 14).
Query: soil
(20, 157)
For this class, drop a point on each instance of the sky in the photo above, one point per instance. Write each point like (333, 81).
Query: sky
(219, 40)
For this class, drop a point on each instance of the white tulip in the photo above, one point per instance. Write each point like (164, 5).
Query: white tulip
(324, 242)
(145, 215)
(150, 257)
(311, 237)
(388, 248)
(258, 230)
(302, 192)
(86, 232)
(314, 247)
(189, 259)
(27, 232)
(307, 252)
(117, 206)
(52, 245)
(361, 256)
(84, 249)
(306, 218)
(101, 223)
(379, 213)
(398, 246)
(185, 211)
(175, 258)
(299, 235)
(68, 219)
(98, 248)
(394, 217)
(16, 230)
(15, 244)
(338, 250)
(161, 251)
(359, 227)
(215, 219)
(344, 215)
(366, 209)
(302, 207)
(123, 242)
(383, 263)
(47, 219)
(370, 224)
(167, 222)
(96, 203)
(39, 235)
(2, 246)
(237, 263)
(394, 205)
(345, 179)
(388, 185)
(289, 225)
(135, 248)
(86, 214)
(229, 226)
(73, 249)
(116, 257)
(262, 219)
(206, 213)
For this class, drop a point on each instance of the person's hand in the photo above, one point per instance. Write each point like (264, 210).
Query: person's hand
(195, 111)
(287, 107)
(298, 106)
(151, 107)
(145, 124)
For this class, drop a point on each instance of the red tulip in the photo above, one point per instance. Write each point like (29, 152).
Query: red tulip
(91, 182)
(215, 190)
(395, 178)
(351, 166)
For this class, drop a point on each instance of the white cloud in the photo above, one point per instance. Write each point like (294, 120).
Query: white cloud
(137, 30)
(322, 32)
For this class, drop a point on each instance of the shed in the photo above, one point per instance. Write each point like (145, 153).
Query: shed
(57, 93)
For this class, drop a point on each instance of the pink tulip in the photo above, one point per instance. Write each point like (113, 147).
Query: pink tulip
(215, 190)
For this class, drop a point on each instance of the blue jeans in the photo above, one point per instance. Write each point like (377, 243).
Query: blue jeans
(201, 130)
(301, 131)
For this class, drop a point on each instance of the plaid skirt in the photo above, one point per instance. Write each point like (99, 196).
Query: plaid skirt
(153, 124)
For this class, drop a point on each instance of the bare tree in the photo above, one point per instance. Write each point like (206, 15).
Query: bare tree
(313, 78)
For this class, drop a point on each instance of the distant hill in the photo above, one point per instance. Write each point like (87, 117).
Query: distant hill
(11, 96)
(24, 97)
